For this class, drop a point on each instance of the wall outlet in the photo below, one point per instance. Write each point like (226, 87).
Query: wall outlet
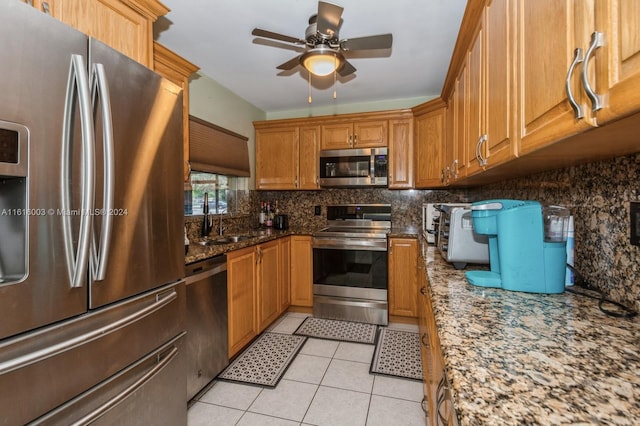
(317, 210)
(634, 209)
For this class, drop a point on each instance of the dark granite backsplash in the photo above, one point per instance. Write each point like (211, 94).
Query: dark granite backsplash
(597, 194)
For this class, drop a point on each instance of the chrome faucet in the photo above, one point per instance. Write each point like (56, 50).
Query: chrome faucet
(220, 229)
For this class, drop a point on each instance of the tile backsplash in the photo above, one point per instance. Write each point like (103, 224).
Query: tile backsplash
(597, 194)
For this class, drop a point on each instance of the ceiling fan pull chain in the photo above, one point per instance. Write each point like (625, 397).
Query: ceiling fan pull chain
(335, 61)
(309, 87)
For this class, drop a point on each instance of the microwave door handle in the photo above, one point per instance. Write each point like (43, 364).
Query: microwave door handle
(100, 93)
(77, 261)
(372, 168)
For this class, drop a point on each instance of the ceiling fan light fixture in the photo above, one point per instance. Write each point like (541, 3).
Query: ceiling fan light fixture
(322, 60)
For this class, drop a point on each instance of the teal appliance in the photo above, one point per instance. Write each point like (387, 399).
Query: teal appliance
(527, 245)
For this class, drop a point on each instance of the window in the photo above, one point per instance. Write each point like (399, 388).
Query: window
(216, 186)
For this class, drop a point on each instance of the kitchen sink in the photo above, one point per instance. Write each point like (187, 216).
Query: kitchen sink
(223, 240)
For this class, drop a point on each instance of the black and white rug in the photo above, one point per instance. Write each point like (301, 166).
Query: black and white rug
(344, 331)
(397, 353)
(265, 361)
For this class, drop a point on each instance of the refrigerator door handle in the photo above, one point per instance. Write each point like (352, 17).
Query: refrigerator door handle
(163, 361)
(77, 261)
(162, 299)
(100, 93)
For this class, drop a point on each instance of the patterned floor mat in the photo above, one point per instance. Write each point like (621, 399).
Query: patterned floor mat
(265, 361)
(345, 331)
(397, 353)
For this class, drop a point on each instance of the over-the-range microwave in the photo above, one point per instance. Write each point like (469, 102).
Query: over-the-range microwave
(353, 167)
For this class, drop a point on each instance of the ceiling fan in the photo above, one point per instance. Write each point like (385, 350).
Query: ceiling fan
(324, 49)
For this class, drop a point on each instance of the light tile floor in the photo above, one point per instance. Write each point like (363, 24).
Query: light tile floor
(327, 384)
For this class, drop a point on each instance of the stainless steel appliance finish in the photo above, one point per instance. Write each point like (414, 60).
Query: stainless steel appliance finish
(457, 241)
(353, 167)
(350, 264)
(90, 196)
(207, 343)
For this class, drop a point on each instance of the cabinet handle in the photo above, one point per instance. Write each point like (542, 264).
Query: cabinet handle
(295, 182)
(442, 175)
(577, 109)
(424, 336)
(423, 290)
(423, 405)
(390, 178)
(30, 3)
(597, 40)
(390, 248)
(454, 170)
(45, 8)
(350, 141)
(355, 139)
(481, 160)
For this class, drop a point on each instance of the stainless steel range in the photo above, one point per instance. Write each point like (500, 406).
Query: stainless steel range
(350, 264)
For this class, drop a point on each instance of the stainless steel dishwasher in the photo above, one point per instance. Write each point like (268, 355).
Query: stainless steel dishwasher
(206, 340)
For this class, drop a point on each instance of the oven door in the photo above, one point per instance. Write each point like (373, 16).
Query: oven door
(350, 267)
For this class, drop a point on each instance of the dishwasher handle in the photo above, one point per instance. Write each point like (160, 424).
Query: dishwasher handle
(200, 273)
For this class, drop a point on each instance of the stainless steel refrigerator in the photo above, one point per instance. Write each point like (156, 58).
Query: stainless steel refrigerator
(92, 294)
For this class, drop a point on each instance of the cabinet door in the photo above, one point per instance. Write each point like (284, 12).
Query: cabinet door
(267, 283)
(301, 271)
(241, 267)
(112, 22)
(337, 136)
(309, 149)
(284, 247)
(618, 61)
(276, 158)
(401, 154)
(475, 97)
(370, 134)
(460, 120)
(499, 94)
(430, 149)
(403, 278)
(549, 32)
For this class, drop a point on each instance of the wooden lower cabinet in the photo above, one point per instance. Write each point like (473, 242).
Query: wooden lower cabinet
(267, 283)
(241, 298)
(403, 280)
(437, 403)
(301, 271)
(284, 295)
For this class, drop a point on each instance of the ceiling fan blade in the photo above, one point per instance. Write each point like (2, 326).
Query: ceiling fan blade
(328, 20)
(290, 64)
(382, 41)
(346, 69)
(268, 34)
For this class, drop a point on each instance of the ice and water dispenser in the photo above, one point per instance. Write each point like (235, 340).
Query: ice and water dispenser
(13, 202)
(527, 245)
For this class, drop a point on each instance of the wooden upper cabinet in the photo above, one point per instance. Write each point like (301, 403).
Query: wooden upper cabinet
(430, 148)
(308, 161)
(277, 158)
(500, 108)
(125, 25)
(176, 69)
(358, 134)
(475, 96)
(549, 32)
(617, 62)
(400, 155)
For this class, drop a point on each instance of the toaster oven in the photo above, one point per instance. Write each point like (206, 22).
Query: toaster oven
(457, 242)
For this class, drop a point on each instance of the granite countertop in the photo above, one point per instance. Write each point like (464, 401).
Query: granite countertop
(519, 358)
(199, 252)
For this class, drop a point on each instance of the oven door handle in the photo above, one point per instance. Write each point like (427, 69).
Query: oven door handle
(349, 244)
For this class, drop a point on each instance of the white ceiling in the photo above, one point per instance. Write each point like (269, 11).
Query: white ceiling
(216, 36)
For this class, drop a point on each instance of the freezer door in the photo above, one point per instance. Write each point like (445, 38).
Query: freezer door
(139, 238)
(35, 61)
(43, 370)
(149, 392)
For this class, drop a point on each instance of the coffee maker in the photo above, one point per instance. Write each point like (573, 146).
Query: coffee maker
(527, 245)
